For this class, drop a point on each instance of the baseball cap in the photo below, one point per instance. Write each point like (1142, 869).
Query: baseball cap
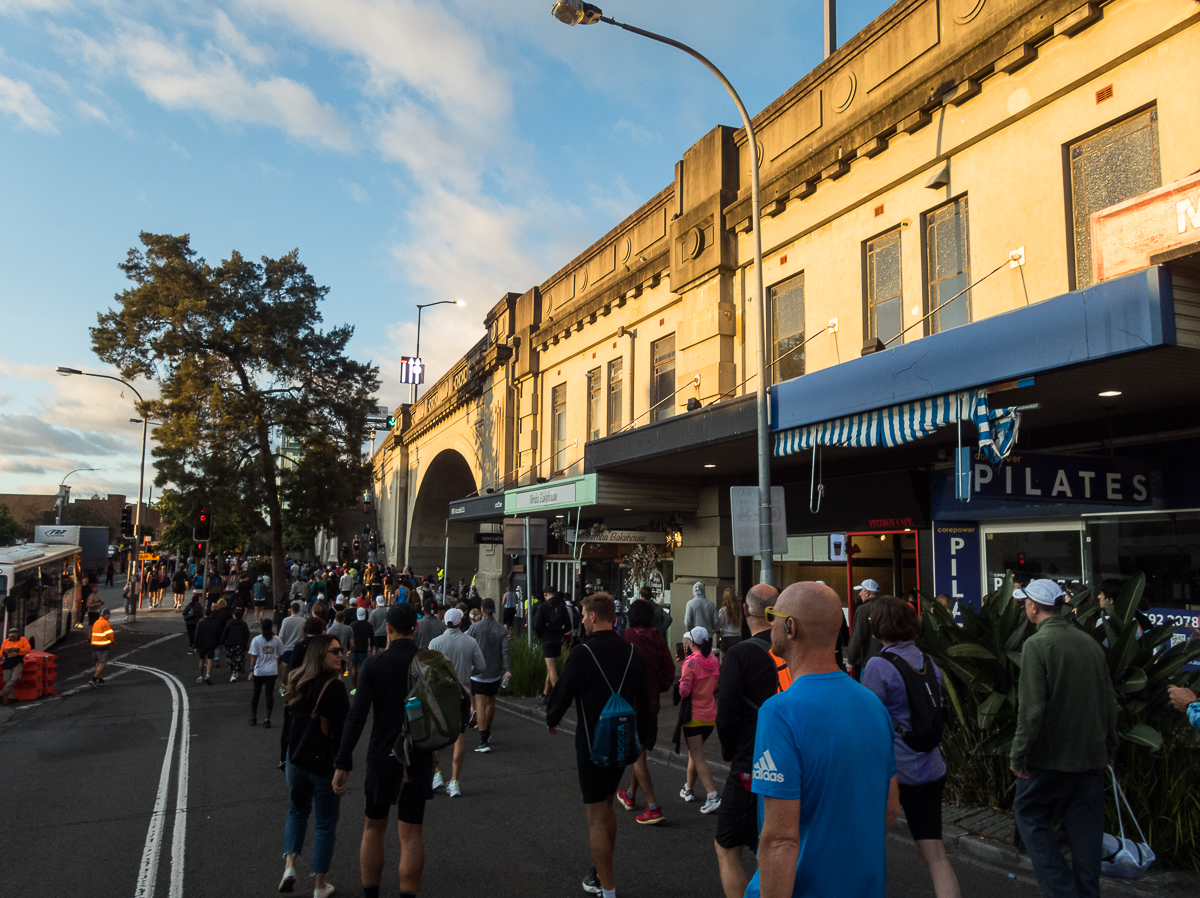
(697, 634)
(1019, 593)
(12, 630)
(489, 605)
(869, 585)
(453, 617)
(379, 600)
(105, 612)
(1044, 592)
(340, 600)
(362, 613)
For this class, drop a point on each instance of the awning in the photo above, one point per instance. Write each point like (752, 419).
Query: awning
(907, 422)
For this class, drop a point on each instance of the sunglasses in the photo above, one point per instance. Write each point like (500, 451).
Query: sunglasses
(771, 614)
(336, 652)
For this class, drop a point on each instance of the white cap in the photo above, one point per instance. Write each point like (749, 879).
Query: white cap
(1044, 592)
(340, 600)
(362, 613)
(697, 634)
(868, 585)
(1019, 593)
(379, 600)
(453, 617)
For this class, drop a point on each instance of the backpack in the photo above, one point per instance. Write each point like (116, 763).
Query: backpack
(555, 620)
(615, 743)
(433, 710)
(575, 622)
(620, 623)
(924, 703)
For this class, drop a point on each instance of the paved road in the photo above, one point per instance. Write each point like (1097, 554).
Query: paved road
(82, 777)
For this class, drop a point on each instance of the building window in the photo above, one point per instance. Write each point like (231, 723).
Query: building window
(616, 393)
(885, 302)
(1115, 165)
(595, 419)
(948, 266)
(558, 419)
(662, 386)
(787, 329)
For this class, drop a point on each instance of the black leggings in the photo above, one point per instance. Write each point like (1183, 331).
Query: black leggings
(261, 683)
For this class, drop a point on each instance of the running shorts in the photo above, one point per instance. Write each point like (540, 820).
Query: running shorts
(510, 615)
(737, 818)
(357, 659)
(552, 648)
(100, 656)
(205, 654)
(597, 783)
(481, 688)
(703, 730)
(385, 787)
(923, 809)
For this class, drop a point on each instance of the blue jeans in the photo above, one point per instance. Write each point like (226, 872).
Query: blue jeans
(1078, 798)
(306, 790)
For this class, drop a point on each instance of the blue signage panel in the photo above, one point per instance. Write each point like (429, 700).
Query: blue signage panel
(1069, 479)
(956, 562)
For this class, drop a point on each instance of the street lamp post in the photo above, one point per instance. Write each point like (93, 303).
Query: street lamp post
(62, 494)
(426, 305)
(578, 13)
(131, 616)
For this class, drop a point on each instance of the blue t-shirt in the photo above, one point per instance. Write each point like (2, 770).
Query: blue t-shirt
(827, 741)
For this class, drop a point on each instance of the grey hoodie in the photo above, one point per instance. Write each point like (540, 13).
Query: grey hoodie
(700, 612)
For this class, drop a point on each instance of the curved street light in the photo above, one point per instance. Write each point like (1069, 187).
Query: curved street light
(579, 13)
(62, 496)
(426, 305)
(137, 515)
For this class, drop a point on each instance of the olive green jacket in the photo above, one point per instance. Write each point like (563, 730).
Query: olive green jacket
(1067, 709)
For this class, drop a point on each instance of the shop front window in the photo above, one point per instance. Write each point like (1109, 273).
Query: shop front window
(1164, 547)
(1042, 550)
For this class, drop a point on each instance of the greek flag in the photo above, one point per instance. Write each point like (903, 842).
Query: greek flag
(908, 422)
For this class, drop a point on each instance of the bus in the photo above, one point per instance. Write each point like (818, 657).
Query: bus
(40, 591)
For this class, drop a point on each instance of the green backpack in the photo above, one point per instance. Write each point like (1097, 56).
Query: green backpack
(433, 711)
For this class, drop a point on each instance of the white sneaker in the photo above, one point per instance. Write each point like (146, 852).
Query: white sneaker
(713, 802)
(232, 678)
(437, 780)
(199, 679)
(686, 794)
(483, 748)
(452, 789)
(289, 880)
(325, 892)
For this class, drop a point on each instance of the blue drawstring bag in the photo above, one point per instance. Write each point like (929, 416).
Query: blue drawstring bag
(615, 742)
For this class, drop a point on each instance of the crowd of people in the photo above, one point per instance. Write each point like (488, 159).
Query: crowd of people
(829, 731)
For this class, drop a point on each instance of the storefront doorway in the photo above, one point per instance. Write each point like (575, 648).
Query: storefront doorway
(889, 557)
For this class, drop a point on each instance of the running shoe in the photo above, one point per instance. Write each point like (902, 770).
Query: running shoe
(200, 679)
(232, 678)
(452, 789)
(591, 883)
(93, 683)
(649, 816)
(686, 794)
(626, 802)
(289, 880)
(541, 699)
(483, 748)
(325, 892)
(100, 682)
(208, 681)
(267, 723)
(471, 722)
(711, 805)
(437, 781)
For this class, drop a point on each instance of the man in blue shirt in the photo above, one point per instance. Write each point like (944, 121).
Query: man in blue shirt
(824, 768)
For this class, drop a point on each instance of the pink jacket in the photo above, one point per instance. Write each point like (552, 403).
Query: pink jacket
(699, 680)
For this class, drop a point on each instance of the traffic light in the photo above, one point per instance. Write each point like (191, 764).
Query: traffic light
(199, 550)
(127, 522)
(391, 419)
(203, 528)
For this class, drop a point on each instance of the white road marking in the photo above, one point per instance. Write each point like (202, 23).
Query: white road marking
(90, 667)
(148, 872)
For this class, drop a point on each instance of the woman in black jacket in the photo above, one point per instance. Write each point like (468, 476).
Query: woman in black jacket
(236, 639)
(319, 704)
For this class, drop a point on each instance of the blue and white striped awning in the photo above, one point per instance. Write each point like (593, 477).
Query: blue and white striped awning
(905, 423)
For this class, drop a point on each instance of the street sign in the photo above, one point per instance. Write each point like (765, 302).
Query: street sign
(148, 556)
(412, 370)
(487, 539)
(744, 505)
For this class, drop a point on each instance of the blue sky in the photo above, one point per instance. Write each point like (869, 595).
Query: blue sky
(413, 151)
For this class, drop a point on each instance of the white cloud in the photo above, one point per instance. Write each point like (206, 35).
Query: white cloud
(17, 98)
(175, 78)
(87, 110)
(236, 43)
(357, 192)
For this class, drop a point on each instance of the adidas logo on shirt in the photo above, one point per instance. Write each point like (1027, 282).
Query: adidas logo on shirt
(764, 769)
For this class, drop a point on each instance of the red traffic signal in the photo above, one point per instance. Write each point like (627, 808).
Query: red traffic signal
(202, 531)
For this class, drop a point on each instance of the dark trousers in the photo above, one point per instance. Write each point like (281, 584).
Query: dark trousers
(1078, 799)
(261, 683)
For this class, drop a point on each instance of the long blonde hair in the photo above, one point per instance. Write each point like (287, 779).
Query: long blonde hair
(732, 607)
(312, 669)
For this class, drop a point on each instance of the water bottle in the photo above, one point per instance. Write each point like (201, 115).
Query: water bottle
(413, 709)
(507, 678)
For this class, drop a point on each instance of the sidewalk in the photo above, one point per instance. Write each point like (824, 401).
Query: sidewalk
(987, 835)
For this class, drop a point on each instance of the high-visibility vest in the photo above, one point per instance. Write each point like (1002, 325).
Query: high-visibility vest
(782, 671)
(102, 633)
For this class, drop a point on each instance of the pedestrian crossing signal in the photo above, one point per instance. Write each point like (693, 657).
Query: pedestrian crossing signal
(391, 422)
(412, 370)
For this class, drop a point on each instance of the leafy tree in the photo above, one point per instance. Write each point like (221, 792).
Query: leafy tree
(238, 355)
(9, 526)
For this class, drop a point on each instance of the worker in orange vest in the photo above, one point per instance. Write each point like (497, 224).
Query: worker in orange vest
(14, 649)
(102, 640)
